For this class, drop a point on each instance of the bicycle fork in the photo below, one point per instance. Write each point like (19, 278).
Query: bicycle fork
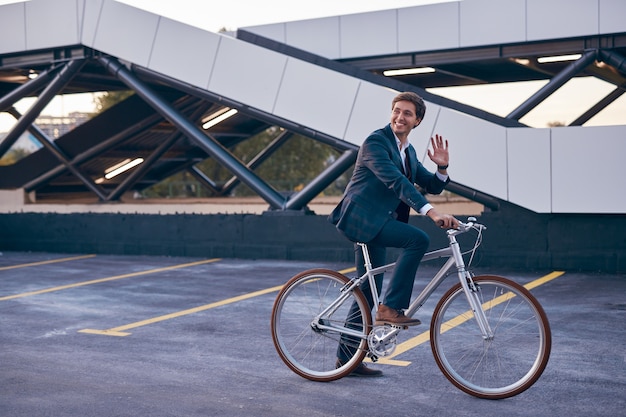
(471, 291)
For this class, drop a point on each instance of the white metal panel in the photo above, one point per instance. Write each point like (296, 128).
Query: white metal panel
(247, 73)
(477, 152)
(430, 27)
(452, 24)
(319, 36)
(529, 170)
(275, 31)
(80, 11)
(126, 32)
(12, 23)
(561, 18)
(371, 111)
(184, 52)
(365, 34)
(316, 97)
(485, 22)
(588, 171)
(91, 16)
(612, 13)
(51, 23)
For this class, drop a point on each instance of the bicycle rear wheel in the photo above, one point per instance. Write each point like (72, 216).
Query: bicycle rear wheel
(308, 345)
(505, 365)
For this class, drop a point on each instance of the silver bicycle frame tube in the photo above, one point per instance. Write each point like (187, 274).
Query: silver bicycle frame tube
(430, 288)
(470, 293)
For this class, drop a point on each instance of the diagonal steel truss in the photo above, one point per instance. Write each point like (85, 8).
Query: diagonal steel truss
(184, 113)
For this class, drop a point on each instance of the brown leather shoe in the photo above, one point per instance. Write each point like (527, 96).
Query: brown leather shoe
(388, 315)
(362, 370)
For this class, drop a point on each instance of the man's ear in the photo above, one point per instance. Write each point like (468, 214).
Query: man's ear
(417, 123)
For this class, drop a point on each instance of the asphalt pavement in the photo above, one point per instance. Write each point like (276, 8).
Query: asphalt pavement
(87, 335)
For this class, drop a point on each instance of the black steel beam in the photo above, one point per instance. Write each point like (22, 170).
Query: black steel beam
(614, 59)
(258, 159)
(142, 169)
(555, 83)
(303, 197)
(91, 152)
(95, 151)
(204, 180)
(474, 195)
(598, 107)
(27, 89)
(250, 111)
(59, 154)
(57, 84)
(212, 147)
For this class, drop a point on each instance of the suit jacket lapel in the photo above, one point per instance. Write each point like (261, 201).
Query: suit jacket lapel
(391, 138)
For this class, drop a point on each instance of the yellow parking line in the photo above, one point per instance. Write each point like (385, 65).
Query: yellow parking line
(425, 336)
(403, 347)
(120, 330)
(97, 281)
(51, 261)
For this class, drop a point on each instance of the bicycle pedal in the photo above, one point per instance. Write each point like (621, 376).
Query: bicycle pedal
(398, 327)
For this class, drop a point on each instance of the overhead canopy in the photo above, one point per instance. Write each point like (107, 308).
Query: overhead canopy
(162, 122)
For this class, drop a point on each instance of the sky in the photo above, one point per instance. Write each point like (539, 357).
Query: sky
(563, 106)
(232, 14)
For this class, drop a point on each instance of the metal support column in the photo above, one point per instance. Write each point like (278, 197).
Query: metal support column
(299, 200)
(60, 80)
(90, 153)
(470, 193)
(141, 170)
(59, 154)
(204, 180)
(94, 151)
(213, 148)
(614, 59)
(555, 83)
(27, 89)
(258, 160)
(598, 107)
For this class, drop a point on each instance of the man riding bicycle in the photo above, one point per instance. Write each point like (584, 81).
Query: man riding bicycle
(375, 210)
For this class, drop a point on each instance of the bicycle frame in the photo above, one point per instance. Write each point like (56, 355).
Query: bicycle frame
(455, 258)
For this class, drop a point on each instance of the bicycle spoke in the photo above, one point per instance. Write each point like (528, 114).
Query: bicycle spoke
(309, 343)
(504, 365)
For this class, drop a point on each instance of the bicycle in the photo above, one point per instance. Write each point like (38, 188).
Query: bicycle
(489, 335)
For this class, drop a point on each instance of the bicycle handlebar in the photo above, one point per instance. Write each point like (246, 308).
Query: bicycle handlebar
(465, 227)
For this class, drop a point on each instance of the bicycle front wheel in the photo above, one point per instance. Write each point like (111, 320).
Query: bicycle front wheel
(498, 367)
(307, 340)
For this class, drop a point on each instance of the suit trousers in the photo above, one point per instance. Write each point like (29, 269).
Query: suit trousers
(413, 243)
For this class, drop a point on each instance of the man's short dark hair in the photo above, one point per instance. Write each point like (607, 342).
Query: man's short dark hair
(420, 107)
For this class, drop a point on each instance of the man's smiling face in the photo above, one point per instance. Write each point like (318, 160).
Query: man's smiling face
(403, 119)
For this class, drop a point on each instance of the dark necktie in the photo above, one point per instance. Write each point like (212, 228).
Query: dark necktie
(407, 164)
(402, 211)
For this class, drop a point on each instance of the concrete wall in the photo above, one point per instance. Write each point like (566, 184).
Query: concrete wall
(516, 238)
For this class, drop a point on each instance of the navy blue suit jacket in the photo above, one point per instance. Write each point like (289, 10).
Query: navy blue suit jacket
(378, 185)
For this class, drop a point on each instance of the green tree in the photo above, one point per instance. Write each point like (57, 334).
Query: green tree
(110, 98)
(289, 169)
(14, 155)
